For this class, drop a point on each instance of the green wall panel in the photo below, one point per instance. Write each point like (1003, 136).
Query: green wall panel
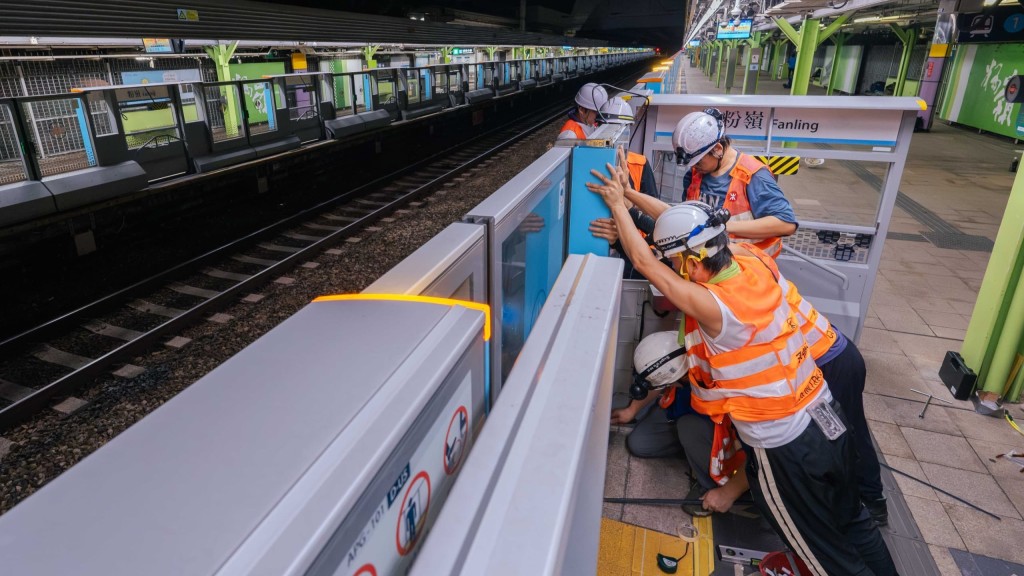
(974, 94)
(255, 96)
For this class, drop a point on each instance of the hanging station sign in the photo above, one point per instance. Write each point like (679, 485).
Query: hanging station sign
(1002, 24)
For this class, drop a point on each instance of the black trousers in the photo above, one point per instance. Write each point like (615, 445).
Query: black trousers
(845, 375)
(807, 492)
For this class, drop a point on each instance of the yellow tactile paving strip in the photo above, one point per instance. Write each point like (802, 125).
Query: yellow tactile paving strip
(628, 550)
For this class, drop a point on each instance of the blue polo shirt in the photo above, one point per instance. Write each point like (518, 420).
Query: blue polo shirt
(763, 193)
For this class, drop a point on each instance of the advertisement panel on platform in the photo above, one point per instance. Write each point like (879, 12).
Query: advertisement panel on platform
(974, 94)
(256, 95)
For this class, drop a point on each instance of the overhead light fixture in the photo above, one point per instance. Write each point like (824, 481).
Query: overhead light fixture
(990, 2)
(867, 19)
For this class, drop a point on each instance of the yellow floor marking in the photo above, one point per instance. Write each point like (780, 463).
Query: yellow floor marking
(628, 550)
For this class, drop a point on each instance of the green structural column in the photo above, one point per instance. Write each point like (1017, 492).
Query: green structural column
(750, 76)
(839, 40)
(368, 54)
(446, 54)
(778, 60)
(720, 63)
(811, 35)
(490, 52)
(908, 38)
(993, 336)
(806, 41)
(221, 55)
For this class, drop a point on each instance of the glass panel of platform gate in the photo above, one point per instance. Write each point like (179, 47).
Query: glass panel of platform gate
(12, 168)
(531, 257)
(526, 219)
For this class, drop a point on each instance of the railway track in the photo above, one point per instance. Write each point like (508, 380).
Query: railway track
(47, 363)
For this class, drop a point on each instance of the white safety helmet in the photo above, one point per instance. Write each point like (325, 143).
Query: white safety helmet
(617, 111)
(696, 134)
(659, 360)
(687, 227)
(592, 96)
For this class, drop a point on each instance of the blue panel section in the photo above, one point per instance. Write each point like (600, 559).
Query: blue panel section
(367, 101)
(83, 127)
(584, 205)
(268, 97)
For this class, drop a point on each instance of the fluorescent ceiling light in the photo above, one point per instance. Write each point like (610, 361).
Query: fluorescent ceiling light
(867, 19)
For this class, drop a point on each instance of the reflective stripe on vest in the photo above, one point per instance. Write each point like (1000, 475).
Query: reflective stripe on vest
(635, 162)
(574, 127)
(774, 375)
(736, 201)
(817, 331)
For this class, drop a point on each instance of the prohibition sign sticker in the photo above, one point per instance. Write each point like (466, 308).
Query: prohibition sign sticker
(366, 570)
(413, 513)
(455, 440)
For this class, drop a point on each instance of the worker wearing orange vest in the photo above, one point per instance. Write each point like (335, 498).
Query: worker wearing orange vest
(721, 176)
(663, 432)
(843, 368)
(750, 363)
(583, 118)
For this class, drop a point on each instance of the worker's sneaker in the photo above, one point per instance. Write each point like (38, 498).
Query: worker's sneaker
(696, 510)
(878, 510)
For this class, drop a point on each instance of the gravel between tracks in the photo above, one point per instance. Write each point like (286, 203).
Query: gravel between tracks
(51, 443)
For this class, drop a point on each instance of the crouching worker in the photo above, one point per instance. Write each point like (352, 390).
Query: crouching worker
(748, 363)
(673, 427)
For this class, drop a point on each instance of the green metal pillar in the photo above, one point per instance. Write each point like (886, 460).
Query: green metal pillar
(750, 76)
(720, 63)
(778, 71)
(490, 52)
(446, 54)
(839, 40)
(368, 53)
(807, 40)
(994, 334)
(221, 55)
(908, 38)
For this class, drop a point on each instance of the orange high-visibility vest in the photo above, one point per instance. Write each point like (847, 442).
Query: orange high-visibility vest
(771, 377)
(575, 127)
(818, 332)
(635, 162)
(736, 201)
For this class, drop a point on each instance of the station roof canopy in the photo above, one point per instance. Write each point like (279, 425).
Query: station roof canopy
(582, 23)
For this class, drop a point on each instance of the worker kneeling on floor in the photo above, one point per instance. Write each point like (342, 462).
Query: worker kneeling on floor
(750, 367)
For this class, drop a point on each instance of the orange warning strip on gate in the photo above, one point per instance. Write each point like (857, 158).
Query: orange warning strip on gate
(416, 298)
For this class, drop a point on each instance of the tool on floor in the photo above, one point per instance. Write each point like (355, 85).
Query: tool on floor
(937, 489)
(688, 534)
(741, 508)
(1014, 457)
(928, 401)
(1006, 414)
